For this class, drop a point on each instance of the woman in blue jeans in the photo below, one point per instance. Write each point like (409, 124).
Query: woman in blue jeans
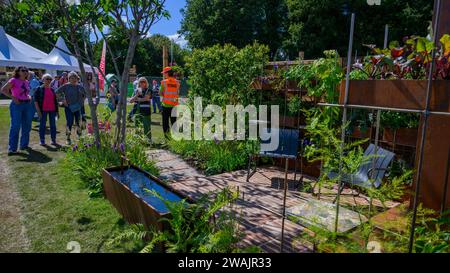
(72, 94)
(21, 109)
(46, 106)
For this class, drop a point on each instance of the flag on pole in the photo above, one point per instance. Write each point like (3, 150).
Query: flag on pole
(101, 79)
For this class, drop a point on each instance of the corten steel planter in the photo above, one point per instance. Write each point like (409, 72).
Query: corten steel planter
(401, 136)
(411, 94)
(130, 201)
(435, 182)
(405, 94)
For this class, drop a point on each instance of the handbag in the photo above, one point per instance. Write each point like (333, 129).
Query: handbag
(75, 107)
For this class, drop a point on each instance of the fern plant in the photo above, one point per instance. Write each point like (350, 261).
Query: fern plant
(207, 226)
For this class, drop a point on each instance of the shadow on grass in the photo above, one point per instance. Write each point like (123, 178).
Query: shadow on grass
(34, 157)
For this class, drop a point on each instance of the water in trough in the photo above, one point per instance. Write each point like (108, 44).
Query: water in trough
(140, 184)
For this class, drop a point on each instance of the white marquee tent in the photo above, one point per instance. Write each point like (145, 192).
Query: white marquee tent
(60, 60)
(14, 52)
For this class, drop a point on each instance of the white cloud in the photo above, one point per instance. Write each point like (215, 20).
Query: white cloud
(178, 39)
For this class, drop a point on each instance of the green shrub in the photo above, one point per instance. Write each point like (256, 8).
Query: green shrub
(215, 157)
(222, 75)
(88, 160)
(321, 79)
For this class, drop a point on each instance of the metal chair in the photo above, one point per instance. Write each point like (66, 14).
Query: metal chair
(288, 149)
(369, 174)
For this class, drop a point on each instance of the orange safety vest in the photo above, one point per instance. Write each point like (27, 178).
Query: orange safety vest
(170, 92)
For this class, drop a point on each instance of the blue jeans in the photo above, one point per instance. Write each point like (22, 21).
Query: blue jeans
(156, 101)
(72, 117)
(43, 123)
(21, 119)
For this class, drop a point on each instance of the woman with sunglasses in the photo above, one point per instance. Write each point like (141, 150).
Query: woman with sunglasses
(46, 105)
(142, 98)
(21, 109)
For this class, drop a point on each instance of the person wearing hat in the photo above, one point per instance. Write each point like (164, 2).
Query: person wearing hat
(143, 113)
(169, 91)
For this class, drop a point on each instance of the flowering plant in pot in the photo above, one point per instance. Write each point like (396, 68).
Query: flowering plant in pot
(395, 77)
(412, 60)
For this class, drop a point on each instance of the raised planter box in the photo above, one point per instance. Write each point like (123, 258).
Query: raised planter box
(411, 94)
(405, 94)
(402, 136)
(128, 193)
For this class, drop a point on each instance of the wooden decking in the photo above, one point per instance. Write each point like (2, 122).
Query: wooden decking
(260, 206)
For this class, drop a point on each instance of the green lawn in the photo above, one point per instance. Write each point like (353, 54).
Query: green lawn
(55, 206)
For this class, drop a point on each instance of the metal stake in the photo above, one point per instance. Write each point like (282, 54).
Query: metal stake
(344, 117)
(284, 204)
(424, 127)
(377, 136)
(386, 36)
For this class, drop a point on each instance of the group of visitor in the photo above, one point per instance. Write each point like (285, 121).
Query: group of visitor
(31, 95)
(44, 96)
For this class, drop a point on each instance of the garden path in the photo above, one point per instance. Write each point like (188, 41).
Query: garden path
(259, 208)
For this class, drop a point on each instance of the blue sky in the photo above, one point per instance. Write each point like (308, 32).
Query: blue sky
(170, 27)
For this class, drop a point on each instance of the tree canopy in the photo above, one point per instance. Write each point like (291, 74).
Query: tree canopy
(210, 22)
(311, 26)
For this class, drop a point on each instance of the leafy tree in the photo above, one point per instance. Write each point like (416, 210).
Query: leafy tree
(148, 56)
(222, 75)
(210, 22)
(317, 25)
(76, 19)
(18, 27)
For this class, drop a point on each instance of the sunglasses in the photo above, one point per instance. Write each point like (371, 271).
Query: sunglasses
(48, 79)
(24, 70)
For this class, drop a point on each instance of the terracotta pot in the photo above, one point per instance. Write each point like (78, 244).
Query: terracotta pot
(402, 136)
(404, 94)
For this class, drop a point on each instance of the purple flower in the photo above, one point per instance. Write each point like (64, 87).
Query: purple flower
(74, 148)
(122, 148)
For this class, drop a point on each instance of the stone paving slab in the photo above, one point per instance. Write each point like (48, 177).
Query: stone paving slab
(323, 214)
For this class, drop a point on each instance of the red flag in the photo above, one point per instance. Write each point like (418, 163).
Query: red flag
(101, 79)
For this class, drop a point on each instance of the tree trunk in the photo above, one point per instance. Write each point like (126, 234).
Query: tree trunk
(122, 106)
(92, 106)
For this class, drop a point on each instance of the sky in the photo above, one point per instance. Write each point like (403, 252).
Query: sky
(170, 27)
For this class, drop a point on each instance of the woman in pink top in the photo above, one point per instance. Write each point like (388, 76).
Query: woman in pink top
(46, 105)
(21, 109)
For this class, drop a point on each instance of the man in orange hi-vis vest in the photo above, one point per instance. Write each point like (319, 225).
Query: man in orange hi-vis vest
(169, 94)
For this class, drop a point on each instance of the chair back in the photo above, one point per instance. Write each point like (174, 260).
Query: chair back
(382, 160)
(288, 142)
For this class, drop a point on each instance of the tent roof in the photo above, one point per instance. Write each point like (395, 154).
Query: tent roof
(59, 58)
(14, 52)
